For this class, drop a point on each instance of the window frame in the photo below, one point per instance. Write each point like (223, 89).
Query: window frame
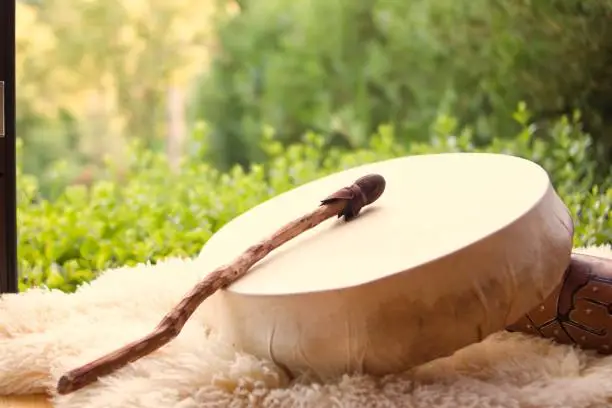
(8, 163)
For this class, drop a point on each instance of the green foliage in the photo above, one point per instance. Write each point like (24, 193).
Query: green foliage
(80, 95)
(151, 212)
(344, 67)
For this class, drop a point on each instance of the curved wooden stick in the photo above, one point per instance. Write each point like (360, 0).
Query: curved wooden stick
(346, 202)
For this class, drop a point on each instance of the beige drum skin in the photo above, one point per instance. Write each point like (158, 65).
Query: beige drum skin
(458, 246)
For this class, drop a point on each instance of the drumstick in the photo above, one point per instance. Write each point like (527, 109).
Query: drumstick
(346, 202)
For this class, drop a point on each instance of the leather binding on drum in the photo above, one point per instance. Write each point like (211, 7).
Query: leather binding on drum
(579, 311)
(459, 246)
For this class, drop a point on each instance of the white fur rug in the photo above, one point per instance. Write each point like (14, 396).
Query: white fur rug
(45, 333)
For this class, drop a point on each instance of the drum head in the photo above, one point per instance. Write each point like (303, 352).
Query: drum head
(457, 247)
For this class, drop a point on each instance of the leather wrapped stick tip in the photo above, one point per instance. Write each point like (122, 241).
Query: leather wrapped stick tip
(346, 202)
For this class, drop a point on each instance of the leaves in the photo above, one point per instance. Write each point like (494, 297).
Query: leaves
(92, 74)
(149, 212)
(345, 67)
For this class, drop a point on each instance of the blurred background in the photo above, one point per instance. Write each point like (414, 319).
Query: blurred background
(93, 75)
(96, 74)
(125, 101)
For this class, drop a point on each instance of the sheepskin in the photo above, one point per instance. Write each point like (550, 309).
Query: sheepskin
(45, 333)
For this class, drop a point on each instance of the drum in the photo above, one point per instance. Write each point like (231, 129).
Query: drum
(459, 246)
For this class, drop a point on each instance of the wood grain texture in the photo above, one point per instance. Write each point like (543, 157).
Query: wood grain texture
(25, 401)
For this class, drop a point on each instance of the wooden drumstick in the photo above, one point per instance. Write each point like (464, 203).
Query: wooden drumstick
(579, 311)
(346, 202)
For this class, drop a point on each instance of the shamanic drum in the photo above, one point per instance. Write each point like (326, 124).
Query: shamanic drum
(459, 246)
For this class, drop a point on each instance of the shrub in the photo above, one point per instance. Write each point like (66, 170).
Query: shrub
(345, 67)
(152, 212)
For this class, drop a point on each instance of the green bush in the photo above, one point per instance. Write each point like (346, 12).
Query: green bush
(152, 212)
(344, 67)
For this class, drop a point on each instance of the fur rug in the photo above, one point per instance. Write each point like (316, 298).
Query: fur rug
(45, 333)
